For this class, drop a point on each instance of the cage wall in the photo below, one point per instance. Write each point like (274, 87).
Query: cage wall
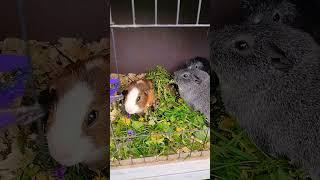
(141, 48)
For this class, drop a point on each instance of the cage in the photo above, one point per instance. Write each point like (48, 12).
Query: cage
(153, 39)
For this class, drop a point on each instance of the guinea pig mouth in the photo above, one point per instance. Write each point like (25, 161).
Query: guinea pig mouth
(67, 162)
(68, 149)
(130, 110)
(64, 158)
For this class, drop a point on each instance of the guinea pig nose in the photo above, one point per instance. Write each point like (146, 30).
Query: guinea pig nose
(243, 42)
(241, 45)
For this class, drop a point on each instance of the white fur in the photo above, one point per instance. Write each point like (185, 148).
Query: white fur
(130, 104)
(65, 140)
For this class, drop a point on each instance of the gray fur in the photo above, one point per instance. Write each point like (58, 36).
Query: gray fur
(269, 11)
(199, 63)
(272, 87)
(194, 88)
(204, 65)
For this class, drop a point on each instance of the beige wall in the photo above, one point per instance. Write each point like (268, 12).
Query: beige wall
(138, 49)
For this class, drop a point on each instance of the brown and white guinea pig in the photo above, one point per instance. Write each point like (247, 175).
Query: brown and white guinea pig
(139, 96)
(78, 123)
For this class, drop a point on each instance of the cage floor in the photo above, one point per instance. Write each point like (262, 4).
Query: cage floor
(159, 159)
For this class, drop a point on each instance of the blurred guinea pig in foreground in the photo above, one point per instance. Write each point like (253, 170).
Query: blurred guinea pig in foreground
(77, 128)
(139, 96)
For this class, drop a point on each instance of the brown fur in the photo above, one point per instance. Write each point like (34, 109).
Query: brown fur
(147, 97)
(97, 78)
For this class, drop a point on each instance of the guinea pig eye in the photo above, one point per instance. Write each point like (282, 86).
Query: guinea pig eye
(241, 45)
(185, 75)
(138, 99)
(276, 17)
(92, 117)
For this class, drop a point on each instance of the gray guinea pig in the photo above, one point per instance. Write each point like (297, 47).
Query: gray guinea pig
(204, 65)
(270, 11)
(194, 88)
(199, 63)
(270, 81)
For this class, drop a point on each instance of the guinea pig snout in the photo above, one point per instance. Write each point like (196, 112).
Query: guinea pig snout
(64, 158)
(62, 154)
(132, 108)
(69, 154)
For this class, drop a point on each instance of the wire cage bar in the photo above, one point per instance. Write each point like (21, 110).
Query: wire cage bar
(155, 11)
(156, 24)
(199, 10)
(133, 12)
(178, 12)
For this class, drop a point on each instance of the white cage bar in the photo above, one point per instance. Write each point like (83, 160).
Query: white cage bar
(156, 25)
(178, 12)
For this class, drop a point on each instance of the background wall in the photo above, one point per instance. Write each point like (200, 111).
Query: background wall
(140, 49)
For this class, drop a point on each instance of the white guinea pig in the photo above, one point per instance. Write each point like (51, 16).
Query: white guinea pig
(78, 123)
(139, 96)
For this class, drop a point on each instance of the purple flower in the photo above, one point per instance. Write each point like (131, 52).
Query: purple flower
(113, 91)
(59, 172)
(9, 63)
(131, 132)
(129, 115)
(116, 83)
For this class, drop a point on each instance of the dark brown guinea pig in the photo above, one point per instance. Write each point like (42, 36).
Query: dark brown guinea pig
(139, 96)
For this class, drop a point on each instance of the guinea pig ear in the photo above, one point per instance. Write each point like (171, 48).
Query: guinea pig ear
(279, 59)
(146, 92)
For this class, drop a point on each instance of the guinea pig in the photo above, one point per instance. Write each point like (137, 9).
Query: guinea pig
(204, 65)
(270, 11)
(194, 88)
(199, 63)
(139, 96)
(78, 123)
(269, 79)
